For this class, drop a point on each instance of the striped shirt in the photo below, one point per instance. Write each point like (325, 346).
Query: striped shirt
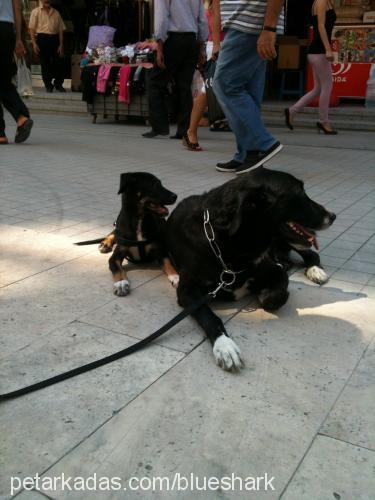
(246, 15)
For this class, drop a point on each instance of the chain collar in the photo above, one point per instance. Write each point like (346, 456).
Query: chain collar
(227, 276)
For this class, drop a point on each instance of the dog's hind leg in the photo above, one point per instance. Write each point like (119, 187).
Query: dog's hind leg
(171, 272)
(121, 286)
(226, 352)
(314, 270)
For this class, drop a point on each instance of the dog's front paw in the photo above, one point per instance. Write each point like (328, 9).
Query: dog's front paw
(104, 248)
(174, 279)
(227, 353)
(317, 275)
(121, 288)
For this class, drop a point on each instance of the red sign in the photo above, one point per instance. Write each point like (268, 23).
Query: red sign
(349, 80)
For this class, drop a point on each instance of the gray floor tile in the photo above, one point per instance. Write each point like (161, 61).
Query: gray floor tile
(56, 297)
(334, 470)
(52, 421)
(352, 417)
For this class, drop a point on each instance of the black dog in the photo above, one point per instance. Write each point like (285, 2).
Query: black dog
(139, 233)
(247, 216)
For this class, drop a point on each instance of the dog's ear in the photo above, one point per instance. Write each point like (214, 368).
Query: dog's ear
(126, 181)
(230, 214)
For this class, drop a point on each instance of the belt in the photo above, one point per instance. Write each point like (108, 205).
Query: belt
(182, 33)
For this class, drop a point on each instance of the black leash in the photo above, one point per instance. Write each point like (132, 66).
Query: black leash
(227, 278)
(112, 357)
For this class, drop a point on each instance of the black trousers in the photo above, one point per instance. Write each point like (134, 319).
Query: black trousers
(180, 56)
(9, 97)
(52, 64)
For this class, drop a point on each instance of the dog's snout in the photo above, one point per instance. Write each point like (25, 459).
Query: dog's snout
(173, 198)
(331, 217)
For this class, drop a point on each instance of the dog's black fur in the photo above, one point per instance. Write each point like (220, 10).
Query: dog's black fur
(252, 218)
(141, 219)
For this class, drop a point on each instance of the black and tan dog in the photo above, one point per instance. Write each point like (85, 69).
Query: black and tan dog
(249, 217)
(139, 234)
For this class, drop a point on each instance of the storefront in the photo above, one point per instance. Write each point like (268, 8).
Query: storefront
(353, 44)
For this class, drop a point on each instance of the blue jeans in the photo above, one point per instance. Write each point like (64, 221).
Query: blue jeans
(239, 85)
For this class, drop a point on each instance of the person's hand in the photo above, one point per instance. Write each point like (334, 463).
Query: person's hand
(266, 45)
(35, 48)
(329, 55)
(60, 50)
(160, 59)
(20, 49)
(202, 58)
(215, 52)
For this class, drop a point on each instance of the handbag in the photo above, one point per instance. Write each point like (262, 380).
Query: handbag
(24, 79)
(215, 112)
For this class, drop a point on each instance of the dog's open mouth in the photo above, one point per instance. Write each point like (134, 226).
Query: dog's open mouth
(157, 208)
(307, 236)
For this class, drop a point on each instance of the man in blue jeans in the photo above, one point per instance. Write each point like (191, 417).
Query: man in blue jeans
(250, 35)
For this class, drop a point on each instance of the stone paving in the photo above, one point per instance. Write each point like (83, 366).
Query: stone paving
(301, 411)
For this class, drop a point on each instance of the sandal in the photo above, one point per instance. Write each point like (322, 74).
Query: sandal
(220, 126)
(3, 140)
(191, 146)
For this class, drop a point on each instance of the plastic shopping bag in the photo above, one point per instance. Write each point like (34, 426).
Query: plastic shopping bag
(215, 112)
(24, 80)
(100, 35)
(197, 84)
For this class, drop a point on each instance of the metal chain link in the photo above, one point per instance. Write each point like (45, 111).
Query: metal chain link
(227, 276)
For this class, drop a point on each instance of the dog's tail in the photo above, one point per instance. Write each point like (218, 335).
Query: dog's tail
(90, 242)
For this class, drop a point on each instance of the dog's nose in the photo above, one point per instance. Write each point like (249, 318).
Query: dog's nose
(331, 217)
(173, 198)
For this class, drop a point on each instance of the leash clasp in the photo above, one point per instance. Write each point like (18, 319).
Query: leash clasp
(227, 277)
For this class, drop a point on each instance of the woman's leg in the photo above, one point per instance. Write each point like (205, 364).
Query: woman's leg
(313, 59)
(200, 104)
(325, 76)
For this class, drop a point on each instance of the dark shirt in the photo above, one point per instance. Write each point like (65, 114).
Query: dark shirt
(317, 46)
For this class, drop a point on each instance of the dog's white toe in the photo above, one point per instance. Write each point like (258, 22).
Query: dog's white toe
(174, 279)
(227, 353)
(317, 275)
(121, 288)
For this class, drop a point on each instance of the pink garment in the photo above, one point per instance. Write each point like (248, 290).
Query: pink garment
(102, 79)
(322, 72)
(124, 90)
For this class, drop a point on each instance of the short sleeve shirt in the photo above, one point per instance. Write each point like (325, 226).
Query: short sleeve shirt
(47, 22)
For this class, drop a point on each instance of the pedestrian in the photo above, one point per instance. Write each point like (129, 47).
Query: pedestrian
(10, 43)
(180, 31)
(320, 57)
(190, 138)
(250, 34)
(47, 38)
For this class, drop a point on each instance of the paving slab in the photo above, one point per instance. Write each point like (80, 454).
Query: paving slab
(334, 470)
(199, 419)
(39, 428)
(25, 253)
(57, 296)
(352, 418)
